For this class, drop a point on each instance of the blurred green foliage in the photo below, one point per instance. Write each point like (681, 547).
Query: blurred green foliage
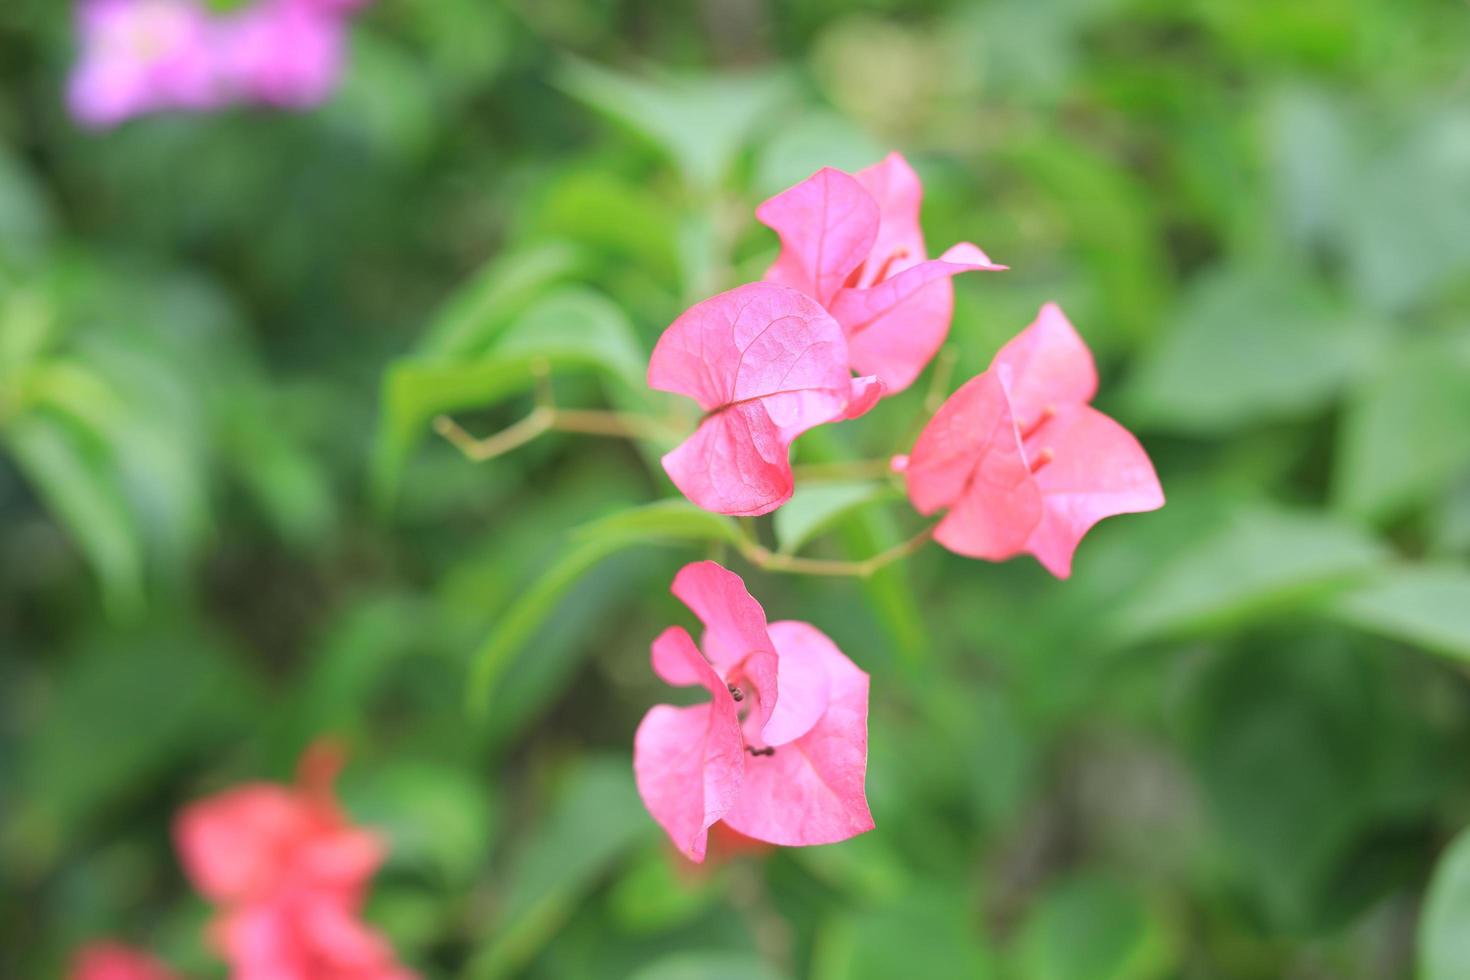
(1233, 745)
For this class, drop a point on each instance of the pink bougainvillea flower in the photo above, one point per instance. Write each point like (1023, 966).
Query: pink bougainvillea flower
(284, 53)
(289, 873)
(114, 961)
(142, 56)
(150, 55)
(779, 753)
(853, 243)
(766, 363)
(1021, 462)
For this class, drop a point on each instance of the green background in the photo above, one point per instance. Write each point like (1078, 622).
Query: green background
(1235, 744)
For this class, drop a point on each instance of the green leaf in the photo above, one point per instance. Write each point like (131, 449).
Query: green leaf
(28, 323)
(666, 521)
(815, 507)
(504, 287)
(1444, 941)
(1403, 436)
(710, 965)
(570, 331)
(128, 706)
(1094, 928)
(528, 611)
(76, 486)
(1248, 346)
(25, 220)
(663, 522)
(416, 391)
(702, 123)
(1428, 606)
(809, 141)
(437, 817)
(596, 817)
(1310, 751)
(927, 932)
(581, 326)
(1263, 561)
(655, 894)
(1407, 223)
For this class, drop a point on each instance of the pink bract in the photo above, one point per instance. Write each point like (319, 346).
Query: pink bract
(790, 772)
(766, 363)
(141, 56)
(853, 243)
(289, 872)
(1020, 461)
(114, 961)
(283, 52)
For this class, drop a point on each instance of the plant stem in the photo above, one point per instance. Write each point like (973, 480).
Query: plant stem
(762, 557)
(548, 418)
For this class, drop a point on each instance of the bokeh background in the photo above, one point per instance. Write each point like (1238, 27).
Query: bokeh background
(1236, 744)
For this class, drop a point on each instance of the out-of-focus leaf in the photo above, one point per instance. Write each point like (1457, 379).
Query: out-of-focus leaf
(1247, 346)
(927, 932)
(528, 612)
(1308, 753)
(702, 123)
(438, 818)
(817, 506)
(25, 221)
(479, 310)
(290, 487)
(664, 522)
(575, 324)
(596, 817)
(28, 322)
(808, 142)
(84, 497)
(569, 331)
(1403, 436)
(346, 666)
(1264, 560)
(1444, 942)
(1312, 146)
(598, 209)
(1094, 928)
(891, 589)
(386, 99)
(125, 708)
(711, 965)
(1407, 223)
(654, 895)
(1111, 219)
(1428, 606)
(416, 391)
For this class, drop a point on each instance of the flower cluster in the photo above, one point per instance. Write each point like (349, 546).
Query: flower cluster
(1017, 460)
(141, 56)
(288, 873)
(780, 751)
(853, 310)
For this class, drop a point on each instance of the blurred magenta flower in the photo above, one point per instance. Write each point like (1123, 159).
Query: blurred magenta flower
(289, 873)
(141, 56)
(114, 961)
(284, 53)
(1020, 459)
(853, 243)
(766, 363)
(792, 769)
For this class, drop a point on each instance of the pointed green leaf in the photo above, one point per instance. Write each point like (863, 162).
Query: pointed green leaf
(1428, 606)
